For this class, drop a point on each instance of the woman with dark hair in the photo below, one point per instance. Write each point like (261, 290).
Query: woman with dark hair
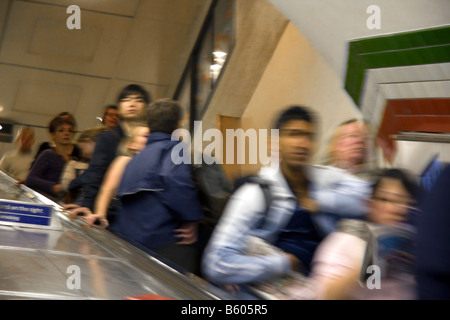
(372, 259)
(74, 151)
(45, 172)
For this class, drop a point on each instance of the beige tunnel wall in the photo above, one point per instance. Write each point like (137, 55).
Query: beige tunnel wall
(298, 74)
(258, 29)
(272, 66)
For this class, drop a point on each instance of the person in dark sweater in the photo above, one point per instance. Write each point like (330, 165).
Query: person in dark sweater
(45, 172)
(74, 151)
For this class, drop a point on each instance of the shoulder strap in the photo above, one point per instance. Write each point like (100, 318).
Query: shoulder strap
(265, 187)
(268, 198)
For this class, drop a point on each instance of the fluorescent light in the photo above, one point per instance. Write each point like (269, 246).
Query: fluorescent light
(219, 61)
(216, 67)
(219, 54)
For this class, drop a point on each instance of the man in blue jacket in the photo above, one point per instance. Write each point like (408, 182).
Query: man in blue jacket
(159, 201)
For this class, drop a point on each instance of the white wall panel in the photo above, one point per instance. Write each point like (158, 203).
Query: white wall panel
(415, 156)
(37, 36)
(330, 24)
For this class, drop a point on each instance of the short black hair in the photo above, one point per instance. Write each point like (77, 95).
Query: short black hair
(295, 112)
(406, 179)
(134, 89)
(164, 115)
(108, 107)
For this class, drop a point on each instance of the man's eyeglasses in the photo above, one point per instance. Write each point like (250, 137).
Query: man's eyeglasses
(297, 133)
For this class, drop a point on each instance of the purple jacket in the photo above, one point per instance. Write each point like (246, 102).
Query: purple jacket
(45, 172)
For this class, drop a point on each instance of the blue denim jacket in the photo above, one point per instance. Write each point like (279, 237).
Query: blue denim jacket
(340, 195)
(225, 260)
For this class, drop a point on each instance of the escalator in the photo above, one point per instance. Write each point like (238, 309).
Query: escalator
(64, 259)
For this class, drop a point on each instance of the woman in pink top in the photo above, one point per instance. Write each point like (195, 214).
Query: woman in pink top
(339, 268)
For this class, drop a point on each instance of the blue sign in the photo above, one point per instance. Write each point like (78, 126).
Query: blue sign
(22, 212)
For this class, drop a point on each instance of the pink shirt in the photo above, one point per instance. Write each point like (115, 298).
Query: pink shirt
(340, 254)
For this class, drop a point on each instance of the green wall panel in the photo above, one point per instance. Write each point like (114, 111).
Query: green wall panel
(405, 49)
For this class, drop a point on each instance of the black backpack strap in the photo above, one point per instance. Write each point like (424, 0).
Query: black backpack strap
(268, 197)
(265, 187)
(255, 179)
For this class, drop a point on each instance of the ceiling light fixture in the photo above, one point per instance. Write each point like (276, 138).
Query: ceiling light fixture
(216, 67)
(219, 60)
(219, 54)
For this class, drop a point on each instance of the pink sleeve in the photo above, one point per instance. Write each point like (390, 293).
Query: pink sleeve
(337, 255)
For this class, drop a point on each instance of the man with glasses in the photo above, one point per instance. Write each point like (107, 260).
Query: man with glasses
(285, 223)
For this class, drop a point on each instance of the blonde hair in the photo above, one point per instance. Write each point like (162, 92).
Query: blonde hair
(21, 132)
(331, 157)
(123, 148)
(91, 133)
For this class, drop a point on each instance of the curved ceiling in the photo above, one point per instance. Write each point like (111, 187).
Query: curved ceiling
(46, 68)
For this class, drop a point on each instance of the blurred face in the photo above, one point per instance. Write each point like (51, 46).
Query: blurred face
(87, 147)
(139, 140)
(26, 141)
(132, 107)
(296, 143)
(350, 144)
(390, 203)
(63, 134)
(111, 118)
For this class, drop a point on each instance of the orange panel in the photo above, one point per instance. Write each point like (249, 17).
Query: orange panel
(422, 115)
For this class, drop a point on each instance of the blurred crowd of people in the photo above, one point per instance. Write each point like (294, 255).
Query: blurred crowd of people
(325, 222)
